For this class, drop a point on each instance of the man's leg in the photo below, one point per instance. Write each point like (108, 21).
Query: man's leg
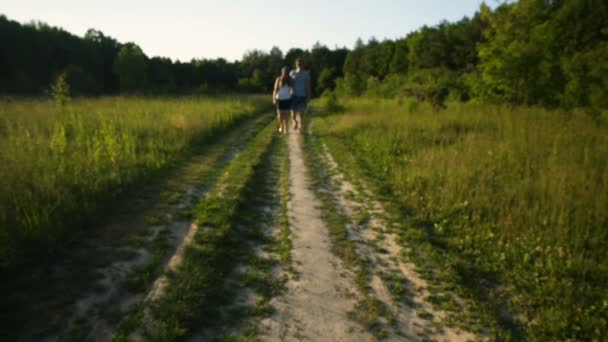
(301, 120)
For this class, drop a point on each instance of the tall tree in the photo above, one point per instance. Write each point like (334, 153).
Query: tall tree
(130, 66)
(427, 48)
(399, 61)
(516, 63)
(160, 75)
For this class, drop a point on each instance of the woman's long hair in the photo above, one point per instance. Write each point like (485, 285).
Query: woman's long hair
(284, 79)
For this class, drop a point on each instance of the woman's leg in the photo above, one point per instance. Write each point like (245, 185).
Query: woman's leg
(284, 117)
(279, 118)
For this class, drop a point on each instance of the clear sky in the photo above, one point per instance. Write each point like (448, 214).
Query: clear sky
(186, 29)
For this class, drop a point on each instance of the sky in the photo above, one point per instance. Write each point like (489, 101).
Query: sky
(186, 29)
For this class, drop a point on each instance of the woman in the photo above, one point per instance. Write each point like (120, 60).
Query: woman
(281, 97)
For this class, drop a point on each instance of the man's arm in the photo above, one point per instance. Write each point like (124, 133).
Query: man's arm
(308, 88)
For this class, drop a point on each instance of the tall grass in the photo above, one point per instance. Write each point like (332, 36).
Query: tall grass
(516, 200)
(61, 164)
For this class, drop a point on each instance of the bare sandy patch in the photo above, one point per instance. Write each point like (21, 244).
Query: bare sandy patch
(318, 299)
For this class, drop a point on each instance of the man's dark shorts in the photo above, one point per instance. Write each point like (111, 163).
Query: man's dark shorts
(298, 103)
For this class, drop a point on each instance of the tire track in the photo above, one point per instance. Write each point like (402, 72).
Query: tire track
(167, 225)
(395, 281)
(320, 296)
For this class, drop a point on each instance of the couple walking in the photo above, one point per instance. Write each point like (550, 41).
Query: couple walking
(291, 92)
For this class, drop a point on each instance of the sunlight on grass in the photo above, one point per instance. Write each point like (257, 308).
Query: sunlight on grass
(61, 164)
(517, 197)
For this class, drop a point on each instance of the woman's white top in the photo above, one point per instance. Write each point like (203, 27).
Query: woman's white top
(284, 93)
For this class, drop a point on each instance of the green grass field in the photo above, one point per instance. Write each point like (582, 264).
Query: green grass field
(63, 165)
(506, 207)
(511, 203)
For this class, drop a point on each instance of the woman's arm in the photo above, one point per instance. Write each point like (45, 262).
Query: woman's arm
(274, 91)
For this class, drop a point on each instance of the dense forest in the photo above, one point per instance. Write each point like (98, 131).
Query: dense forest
(35, 54)
(533, 52)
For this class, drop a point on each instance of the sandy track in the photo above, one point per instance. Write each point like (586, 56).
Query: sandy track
(376, 233)
(319, 297)
(321, 294)
(189, 187)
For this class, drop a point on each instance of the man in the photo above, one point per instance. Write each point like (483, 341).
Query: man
(301, 93)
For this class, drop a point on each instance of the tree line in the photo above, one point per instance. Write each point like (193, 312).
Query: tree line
(34, 55)
(532, 52)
